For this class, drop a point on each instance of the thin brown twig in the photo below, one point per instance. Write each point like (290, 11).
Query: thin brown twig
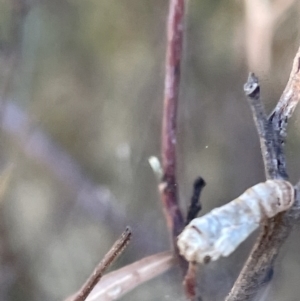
(168, 186)
(115, 251)
(275, 230)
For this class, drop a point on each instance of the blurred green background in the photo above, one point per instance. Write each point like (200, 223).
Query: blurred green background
(81, 89)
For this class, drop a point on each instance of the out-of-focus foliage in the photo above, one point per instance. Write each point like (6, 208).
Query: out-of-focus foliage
(90, 75)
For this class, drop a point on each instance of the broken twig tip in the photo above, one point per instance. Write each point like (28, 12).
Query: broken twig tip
(251, 87)
(199, 183)
(128, 230)
(195, 205)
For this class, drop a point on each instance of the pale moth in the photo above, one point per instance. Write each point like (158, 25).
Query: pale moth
(222, 230)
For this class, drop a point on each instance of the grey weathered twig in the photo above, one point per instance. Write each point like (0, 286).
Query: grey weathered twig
(115, 251)
(263, 126)
(288, 100)
(276, 230)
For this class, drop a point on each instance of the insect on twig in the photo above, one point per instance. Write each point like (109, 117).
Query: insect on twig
(221, 231)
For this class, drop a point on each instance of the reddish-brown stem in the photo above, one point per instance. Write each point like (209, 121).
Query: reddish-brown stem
(190, 281)
(168, 187)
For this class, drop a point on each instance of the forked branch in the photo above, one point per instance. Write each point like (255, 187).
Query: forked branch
(276, 230)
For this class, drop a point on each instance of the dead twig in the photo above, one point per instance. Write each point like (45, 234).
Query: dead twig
(115, 251)
(195, 205)
(276, 230)
(284, 110)
(168, 187)
(288, 100)
(264, 128)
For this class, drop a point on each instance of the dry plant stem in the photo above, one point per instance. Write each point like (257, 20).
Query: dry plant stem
(275, 230)
(261, 260)
(288, 101)
(283, 111)
(168, 186)
(115, 251)
(263, 126)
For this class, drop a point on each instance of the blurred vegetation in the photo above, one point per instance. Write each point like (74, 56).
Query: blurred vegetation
(90, 75)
